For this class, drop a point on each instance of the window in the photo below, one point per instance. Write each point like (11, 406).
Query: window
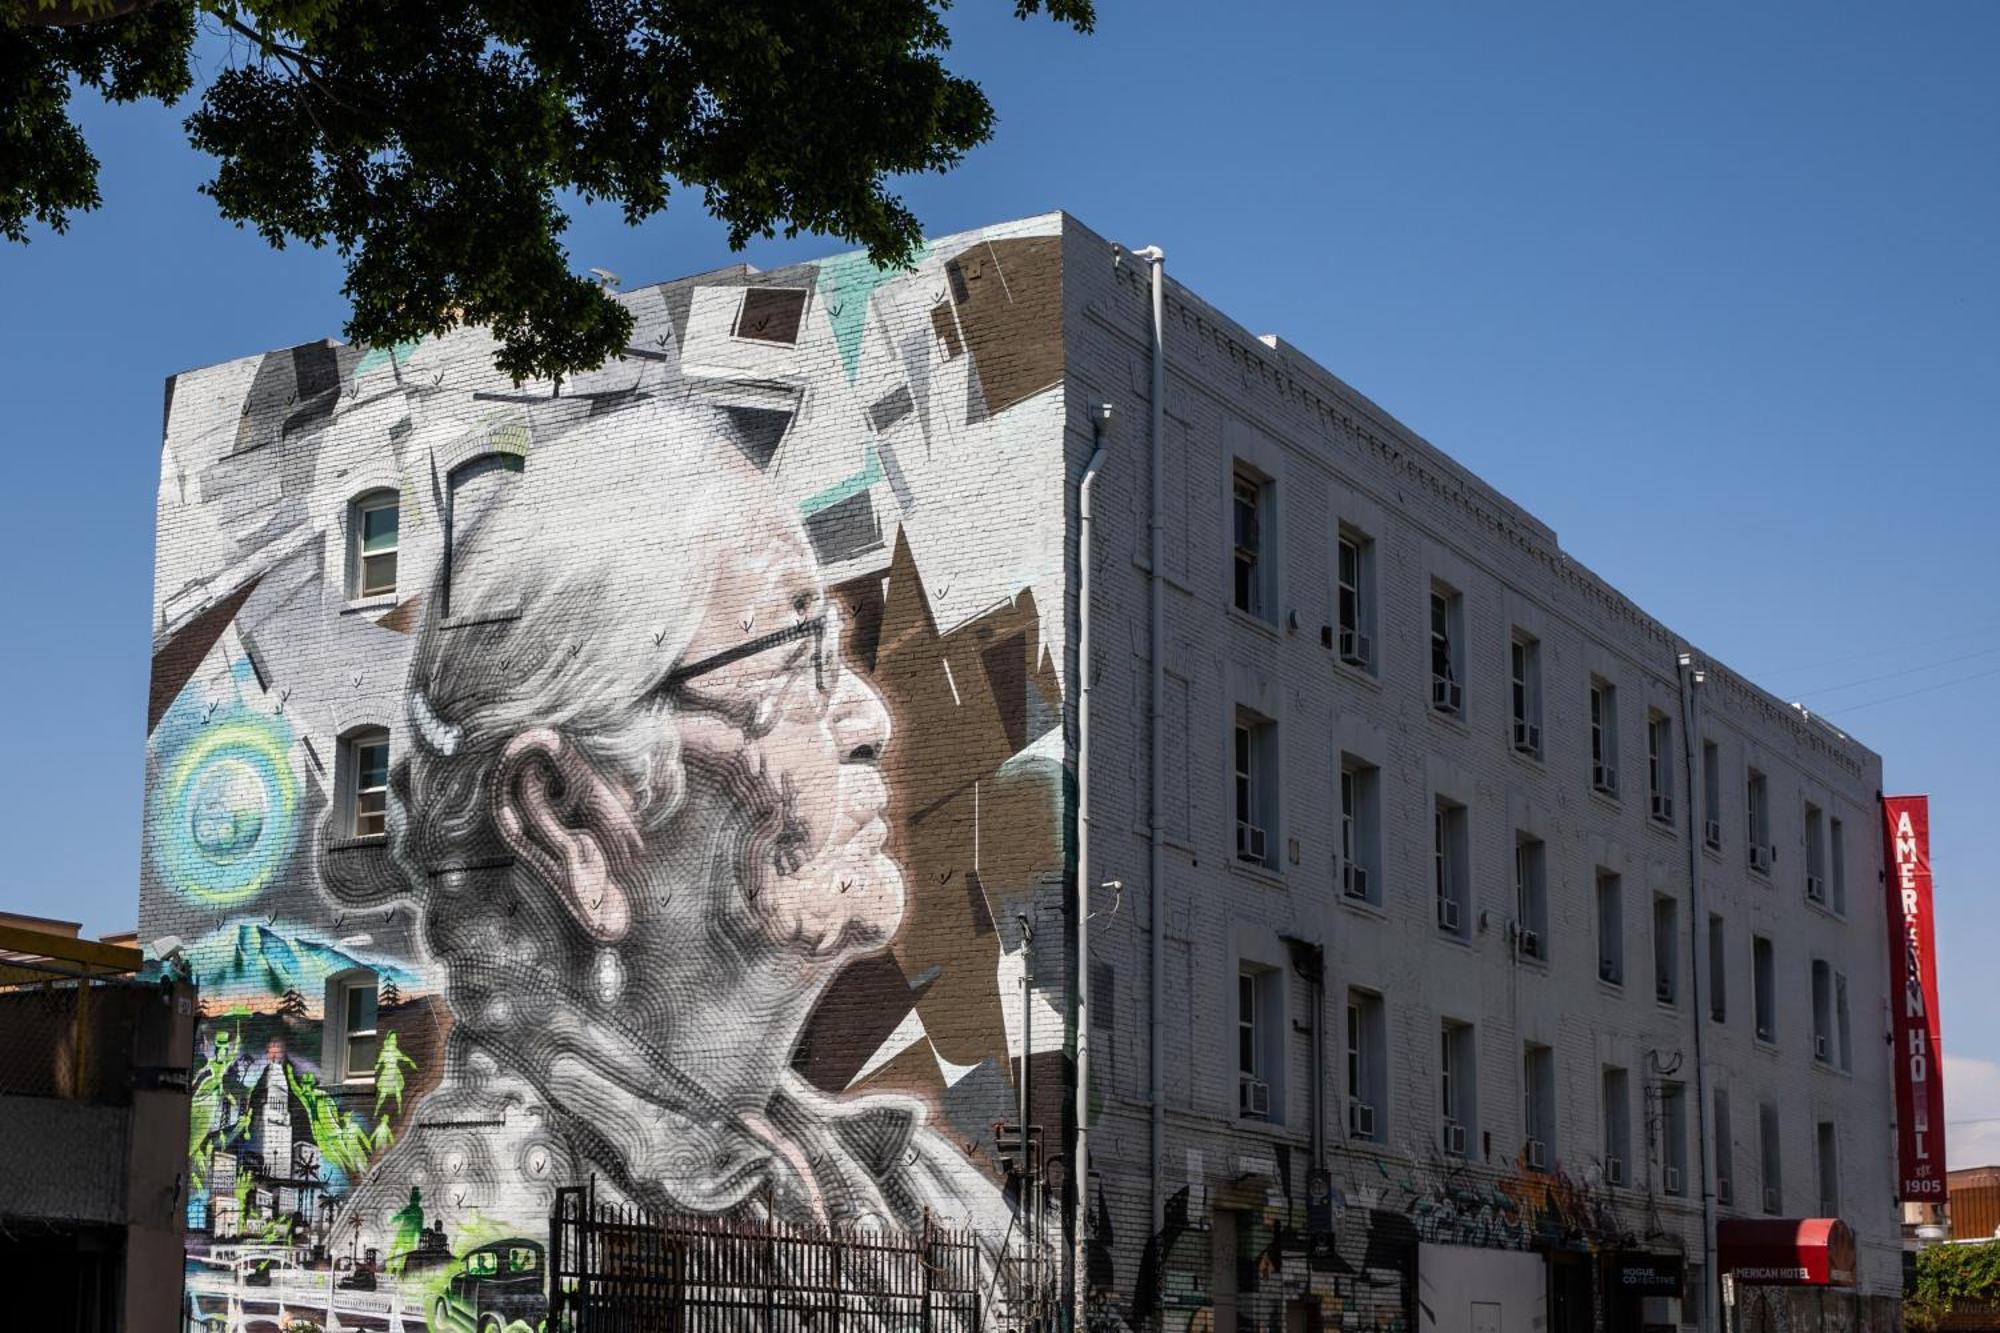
(1531, 897)
(1450, 848)
(1827, 1145)
(1711, 795)
(1718, 971)
(1254, 1011)
(1250, 507)
(1673, 1138)
(1660, 768)
(1538, 1088)
(1526, 663)
(1666, 950)
(1837, 863)
(1815, 855)
(1769, 1160)
(1447, 634)
(373, 523)
(1256, 804)
(1725, 1150)
(1355, 574)
(1366, 1042)
(1360, 830)
(1822, 1012)
(1457, 1090)
(1758, 831)
(1843, 1030)
(1764, 980)
(366, 760)
(1610, 928)
(1617, 1127)
(352, 1042)
(475, 489)
(1603, 737)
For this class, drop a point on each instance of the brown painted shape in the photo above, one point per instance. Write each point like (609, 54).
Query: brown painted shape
(863, 1006)
(405, 616)
(1009, 298)
(182, 655)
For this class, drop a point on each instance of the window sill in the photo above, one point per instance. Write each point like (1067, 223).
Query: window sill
(1667, 1006)
(1360, 675)
(1272, 879)
(1456, 721)
(368, 842)
(490, 618)
(1712, 850)
(1769, 1048)
(1453, 937)
(1534, 760)
(1664, 827)
(1826, 911)
(1251, 620)
(1365, 907)
(1533, 962)
(361, 606)
(1828, 1067)
(1608, 798)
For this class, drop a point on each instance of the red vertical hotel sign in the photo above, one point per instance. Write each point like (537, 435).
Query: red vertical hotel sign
(1906, 830)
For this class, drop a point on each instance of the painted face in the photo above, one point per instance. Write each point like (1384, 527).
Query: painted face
(769, 709)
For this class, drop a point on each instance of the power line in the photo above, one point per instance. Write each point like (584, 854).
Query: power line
(1906, 671)
(1844, 709)
(1901, 647)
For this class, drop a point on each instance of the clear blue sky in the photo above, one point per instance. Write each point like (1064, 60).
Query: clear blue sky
(1714, 289)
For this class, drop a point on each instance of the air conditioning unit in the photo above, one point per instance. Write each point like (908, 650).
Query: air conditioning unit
(1723, 1194)
(1815, 889)
(1448, 914)
(1353, 880)
(1355, 648)
(1604, 777)
(1454, 1138)
(1360, 1119)
(1819, 1046)
(1253, 1098)
(1445, 694)
(1663, 990)
(1711, 833)
(1614, 1171)
(1531, 943)
(1764, 1034)
(1663, 808)
(1760, 858)
(1538, 1155)
(1527, 738)
(1770, 1198)
(1249, 842)
(1607, 970)
(1671, 1178)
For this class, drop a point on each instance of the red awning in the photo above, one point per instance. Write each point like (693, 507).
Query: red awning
(1786, 1251)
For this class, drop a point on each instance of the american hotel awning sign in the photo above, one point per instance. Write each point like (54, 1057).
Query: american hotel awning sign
(1914, 999)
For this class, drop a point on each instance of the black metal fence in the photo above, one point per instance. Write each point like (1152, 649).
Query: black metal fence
(615, 1268)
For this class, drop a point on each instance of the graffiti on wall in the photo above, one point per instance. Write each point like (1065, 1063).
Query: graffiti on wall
(650, 780)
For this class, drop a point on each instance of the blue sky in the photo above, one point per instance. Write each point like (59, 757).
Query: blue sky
(1712, 289)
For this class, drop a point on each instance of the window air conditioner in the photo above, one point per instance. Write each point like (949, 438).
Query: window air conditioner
(1445, 694)
(1663, 808)
(1604, 777)
(1448, 914)
(1531, 943)
(1354, 647)
(1454, 1138)
(1663, 989)
(1764, 1033)
(1815, 889)
(1249, 842)
(1360, 1119)
(1253, 1098)
(1711, 833)
(1723, 1193)
(1760, 858)
(1819, 1046)
(1607, 970)
(1614, 1171)
(1770, 1198)
(1527, 738)
(1353, 880)
(1672, 1179)
(1538, 1155)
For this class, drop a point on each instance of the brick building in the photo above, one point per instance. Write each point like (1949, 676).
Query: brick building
(671, 779)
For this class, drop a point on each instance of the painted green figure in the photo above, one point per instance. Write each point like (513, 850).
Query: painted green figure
(389, 1081)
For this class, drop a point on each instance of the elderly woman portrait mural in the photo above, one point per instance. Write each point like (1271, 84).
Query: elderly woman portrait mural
(645, 784)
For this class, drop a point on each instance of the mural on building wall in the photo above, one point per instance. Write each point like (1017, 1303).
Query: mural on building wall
(650, 780)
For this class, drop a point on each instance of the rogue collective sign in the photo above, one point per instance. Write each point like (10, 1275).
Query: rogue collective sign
(1914, 998)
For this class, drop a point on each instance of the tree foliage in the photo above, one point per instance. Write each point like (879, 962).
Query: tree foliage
(431, 142)
(1948, 1275)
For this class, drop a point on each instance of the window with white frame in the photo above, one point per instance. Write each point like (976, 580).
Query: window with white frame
(1538, 1120)
(1673, 1139)
(1255, 773)
(1842, 1027)
(1725, 1150)
(1660, 768)
(374, 522)
(1354, 556)
(1718, 970)
(1457, 1087)
(1711, 795)
(1815, 855)
(1617, 1097)
(1757, 810)
(1764, 988)
(1603, 736)
(1250, 511)
(1447, 651)
(1360, 831)
(1823, 1051)
(1450, 851)
(1367, 1041)
(1531, 897)
(1525, 686)
(353, 1041)
(1256, 1015)
(1770, 1158)
(1666, 950)
(364, 759)
(1610, 928)
(1837, 863)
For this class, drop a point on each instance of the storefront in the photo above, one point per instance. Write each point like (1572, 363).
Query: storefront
(1785, 1273)
(1643, 1292)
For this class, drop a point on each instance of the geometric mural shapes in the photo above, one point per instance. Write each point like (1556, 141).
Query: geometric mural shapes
(182, 655)
(771, 314)
(1009, 298)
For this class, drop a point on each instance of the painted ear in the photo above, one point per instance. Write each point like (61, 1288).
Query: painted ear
(575, 829)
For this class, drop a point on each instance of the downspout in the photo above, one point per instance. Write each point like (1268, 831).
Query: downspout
(1156, 259)
(1690, 677)
(1100, 422)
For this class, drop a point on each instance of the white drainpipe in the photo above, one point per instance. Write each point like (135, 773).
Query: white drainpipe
(1100, 422)
(1691, 678)
(1155, 718)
